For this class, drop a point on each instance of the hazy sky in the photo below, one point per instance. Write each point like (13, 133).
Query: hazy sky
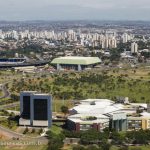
(74, 9)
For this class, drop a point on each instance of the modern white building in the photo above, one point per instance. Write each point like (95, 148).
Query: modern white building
(102, 113)
(97, 114)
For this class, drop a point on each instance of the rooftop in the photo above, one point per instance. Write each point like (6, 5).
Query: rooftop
(96, 106)
(99, 110)
(76, 60)
(84, 118)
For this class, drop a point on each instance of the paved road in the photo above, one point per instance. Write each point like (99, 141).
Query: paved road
(11, 134)
(5, 91)
(39, 63)
(7, 106)
(5, 95)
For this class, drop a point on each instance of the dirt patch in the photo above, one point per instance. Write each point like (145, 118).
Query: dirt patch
(15, 147)
(20, 129)
(3, 137)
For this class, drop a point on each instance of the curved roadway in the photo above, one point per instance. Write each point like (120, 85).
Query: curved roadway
(11, 134)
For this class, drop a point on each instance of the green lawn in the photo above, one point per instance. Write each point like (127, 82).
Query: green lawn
(8, 124)
(92, 84)
(43, 147)
(1, 93)
(130, 148)
(6, 76)
(142, 147)
(56, 129)
(58, 103)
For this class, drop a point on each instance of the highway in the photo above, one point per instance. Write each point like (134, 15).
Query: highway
(39, 63)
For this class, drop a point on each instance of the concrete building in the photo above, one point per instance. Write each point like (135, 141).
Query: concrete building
(25, 69)
(102, 113)
(82, 122)
(113, 43)
(97, 114)
(135, 123)
(134, 47)
(141, 121)
(118, 121)
(108, 42)
(75, 62)
(35, 109)
(127, 37)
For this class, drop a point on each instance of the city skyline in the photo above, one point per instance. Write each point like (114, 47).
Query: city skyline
(75, 10)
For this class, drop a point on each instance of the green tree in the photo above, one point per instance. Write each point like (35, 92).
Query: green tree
(64, 109)
(78, 147)
(26, 130)
(93, 147)
(124, 148)
(105, 145)
(90, 136)
(55, 141)
(33, 130)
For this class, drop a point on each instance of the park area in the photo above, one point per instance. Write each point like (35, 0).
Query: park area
(133, 83)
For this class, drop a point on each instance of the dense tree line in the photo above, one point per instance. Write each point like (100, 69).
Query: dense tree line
(102, 140)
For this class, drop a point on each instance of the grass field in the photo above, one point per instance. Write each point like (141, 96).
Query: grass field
(43, 147)
(39, 147)
(1, 93)
(8, 123)
(65, 87)
(142, 72)
(58, 103)
(56, 129)
(133, 147)
(8, 75)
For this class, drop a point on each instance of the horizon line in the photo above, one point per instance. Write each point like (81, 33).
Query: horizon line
(72, 20)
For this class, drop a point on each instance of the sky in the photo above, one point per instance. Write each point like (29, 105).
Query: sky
(21, 10)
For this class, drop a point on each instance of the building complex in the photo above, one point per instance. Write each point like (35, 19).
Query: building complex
(102, 113)
(36, 110)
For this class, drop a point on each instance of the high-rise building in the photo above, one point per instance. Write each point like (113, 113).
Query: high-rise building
(105, 43)
(125, 38)
(35, 109)
(134, 47)
(108, 42)
(112, 42)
